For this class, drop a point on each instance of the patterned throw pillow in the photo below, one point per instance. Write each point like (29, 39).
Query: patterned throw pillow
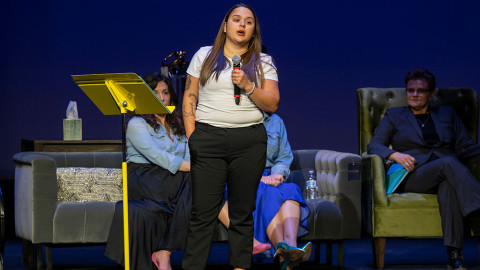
(89, 184)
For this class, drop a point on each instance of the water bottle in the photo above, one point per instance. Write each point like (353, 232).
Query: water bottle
(311, 186)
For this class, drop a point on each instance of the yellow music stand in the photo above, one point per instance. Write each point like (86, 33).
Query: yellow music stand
(122, 93)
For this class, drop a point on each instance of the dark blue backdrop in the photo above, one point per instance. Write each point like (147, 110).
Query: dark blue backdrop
(324, 51)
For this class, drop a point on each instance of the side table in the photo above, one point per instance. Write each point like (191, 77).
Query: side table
(71, 146)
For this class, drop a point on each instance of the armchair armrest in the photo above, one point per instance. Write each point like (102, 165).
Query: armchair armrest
(35, 196)
(373, 170)
(373, 190)
(338, 178)
(27, 158)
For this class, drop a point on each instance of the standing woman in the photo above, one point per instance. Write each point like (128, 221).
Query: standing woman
(159, 190)
(281, 214)
(227, 140)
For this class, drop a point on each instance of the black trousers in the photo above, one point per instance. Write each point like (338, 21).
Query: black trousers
(224, 156)
(458, 193)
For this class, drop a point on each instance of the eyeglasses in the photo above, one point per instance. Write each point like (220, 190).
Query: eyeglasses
(420, 91)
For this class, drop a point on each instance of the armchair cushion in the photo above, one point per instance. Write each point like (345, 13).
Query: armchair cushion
(409, 200)
(407, 222)
(82, 222)
(325, 220)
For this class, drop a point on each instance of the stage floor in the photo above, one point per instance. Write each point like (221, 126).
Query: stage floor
(420, 254)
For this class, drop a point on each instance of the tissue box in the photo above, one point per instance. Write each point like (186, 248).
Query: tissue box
(72, 129)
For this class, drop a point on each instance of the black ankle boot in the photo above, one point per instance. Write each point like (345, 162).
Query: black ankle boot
(455, 259)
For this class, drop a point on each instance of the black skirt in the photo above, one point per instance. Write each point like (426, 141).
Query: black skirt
(158, 214)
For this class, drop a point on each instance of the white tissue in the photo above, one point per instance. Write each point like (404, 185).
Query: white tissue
(72, 112)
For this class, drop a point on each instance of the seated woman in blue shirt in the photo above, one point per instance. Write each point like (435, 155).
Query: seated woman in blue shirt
(159, 188)
(281, 212)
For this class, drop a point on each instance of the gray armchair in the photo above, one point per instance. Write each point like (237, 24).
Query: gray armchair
(42, 220)
(336, 215)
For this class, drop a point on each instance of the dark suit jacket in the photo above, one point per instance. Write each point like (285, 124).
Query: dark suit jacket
(399, 128)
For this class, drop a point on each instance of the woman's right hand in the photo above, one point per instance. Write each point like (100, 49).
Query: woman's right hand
(185, 167)
(273, 180)
(407, 161)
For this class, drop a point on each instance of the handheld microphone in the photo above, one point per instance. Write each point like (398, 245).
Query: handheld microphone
(236, 90)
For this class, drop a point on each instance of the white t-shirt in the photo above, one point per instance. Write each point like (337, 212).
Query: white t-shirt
(216, 104)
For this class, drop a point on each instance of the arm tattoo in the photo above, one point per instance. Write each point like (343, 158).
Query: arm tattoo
(188, 113)
(189, 82)
(192, 107)
(194, 96)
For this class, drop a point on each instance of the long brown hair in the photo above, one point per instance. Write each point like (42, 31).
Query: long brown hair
(216, 61)
(174, 120)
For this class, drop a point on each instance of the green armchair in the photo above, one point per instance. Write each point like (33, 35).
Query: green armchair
(406, 214)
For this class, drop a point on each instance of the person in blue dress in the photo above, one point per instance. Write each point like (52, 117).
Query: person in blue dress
(159, 186)
(281, 212)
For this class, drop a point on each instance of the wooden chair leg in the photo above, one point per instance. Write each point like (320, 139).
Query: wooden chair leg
(27, 250)
(316, 252)
(329, 253)
(48, 257)
(341, 256)
(379, 251)
(30, 253)
(39, 256)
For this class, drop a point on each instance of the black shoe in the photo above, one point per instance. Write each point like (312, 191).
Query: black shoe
(455, 259)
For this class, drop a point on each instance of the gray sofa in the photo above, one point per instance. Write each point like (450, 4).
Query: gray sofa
(42, 220)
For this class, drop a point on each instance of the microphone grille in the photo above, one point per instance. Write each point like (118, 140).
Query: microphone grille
(236, 60)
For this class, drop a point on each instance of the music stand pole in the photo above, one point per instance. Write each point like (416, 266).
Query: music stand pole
(126, 245)
(122, 93)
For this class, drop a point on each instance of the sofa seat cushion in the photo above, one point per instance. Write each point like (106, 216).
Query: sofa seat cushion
(82, 222)
(324, 221)
(77, 184)
(406, 222)
(412, 200)
(408, 215)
